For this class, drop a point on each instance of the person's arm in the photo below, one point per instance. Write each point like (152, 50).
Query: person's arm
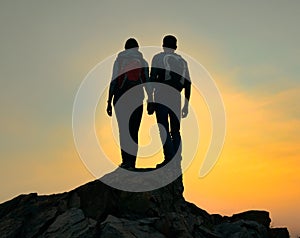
(152, 79)
(187, 93)
(148, 86)
(111, 91)
(112, 88)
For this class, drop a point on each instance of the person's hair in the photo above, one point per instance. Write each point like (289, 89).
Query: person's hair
(131, 43)
(170, 41)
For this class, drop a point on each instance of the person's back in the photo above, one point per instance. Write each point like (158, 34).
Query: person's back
(129, 70)
(171, 70)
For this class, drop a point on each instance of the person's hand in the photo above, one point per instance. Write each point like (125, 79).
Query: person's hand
(150, 108)
(109, 109)
(185, 111)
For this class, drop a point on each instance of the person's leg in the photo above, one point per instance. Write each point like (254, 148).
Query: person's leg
(175, 119)
(123, 131)
(134, 126)
(162, 115)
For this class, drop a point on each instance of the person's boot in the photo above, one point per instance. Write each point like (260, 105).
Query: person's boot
(128, 163)
(162, 164)
(127, 166)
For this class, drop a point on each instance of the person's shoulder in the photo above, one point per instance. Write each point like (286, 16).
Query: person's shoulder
(181, 58)
(121, 53)
(178, 55)
(158, 55)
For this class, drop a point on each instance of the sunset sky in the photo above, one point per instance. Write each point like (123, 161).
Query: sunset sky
(250, 48)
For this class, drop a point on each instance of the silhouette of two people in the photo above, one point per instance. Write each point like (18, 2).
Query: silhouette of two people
(169, 76)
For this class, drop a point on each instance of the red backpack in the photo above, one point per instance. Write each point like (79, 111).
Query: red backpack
(130, 73)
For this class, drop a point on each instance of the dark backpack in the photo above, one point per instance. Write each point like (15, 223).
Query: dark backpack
(130, 73)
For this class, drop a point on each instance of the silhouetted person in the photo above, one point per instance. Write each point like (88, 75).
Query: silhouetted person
(170, 69)
(129, 70)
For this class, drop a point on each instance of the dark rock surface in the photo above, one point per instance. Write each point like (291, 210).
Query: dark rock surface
(97, 210)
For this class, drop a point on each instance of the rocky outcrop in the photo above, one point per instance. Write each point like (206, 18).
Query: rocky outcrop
(97, 210)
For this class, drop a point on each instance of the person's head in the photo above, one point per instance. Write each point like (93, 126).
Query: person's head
(131, 43)
(170, 42)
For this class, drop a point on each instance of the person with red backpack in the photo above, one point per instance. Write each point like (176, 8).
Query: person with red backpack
(169, 70)
(130, 69)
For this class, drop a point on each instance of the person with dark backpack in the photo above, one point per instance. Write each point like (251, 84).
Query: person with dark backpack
(130, 69)
(171, 70)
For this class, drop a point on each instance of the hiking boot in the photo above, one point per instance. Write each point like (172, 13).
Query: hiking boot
(162, 164)
(127, 166)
